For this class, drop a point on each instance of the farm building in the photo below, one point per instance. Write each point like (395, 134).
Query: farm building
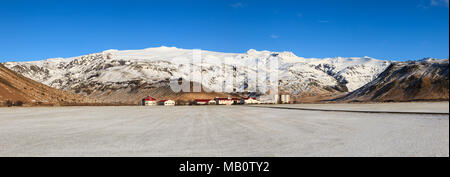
(223, 101)
(249, 100)
(285, 99)
(149, 101)
(236, 101)
(166, 102)
(204, 101)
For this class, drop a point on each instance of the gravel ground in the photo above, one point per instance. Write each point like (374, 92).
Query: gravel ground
(435, 107)
(217, 131)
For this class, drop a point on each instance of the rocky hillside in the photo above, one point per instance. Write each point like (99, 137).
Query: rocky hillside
(133, 94)
(143, 72)
(425, 80)
(17, 90)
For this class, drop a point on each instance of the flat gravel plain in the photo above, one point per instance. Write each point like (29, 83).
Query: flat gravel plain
(422, 107)
(217, 131)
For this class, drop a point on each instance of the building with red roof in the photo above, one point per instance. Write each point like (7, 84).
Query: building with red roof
(149, 101)
(227, 101)
(166, 102)
(204, 101)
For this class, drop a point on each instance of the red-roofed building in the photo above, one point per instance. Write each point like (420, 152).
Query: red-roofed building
(166, 102)
(236, 100)
(204, 101)
(149, 101)
(227, 101)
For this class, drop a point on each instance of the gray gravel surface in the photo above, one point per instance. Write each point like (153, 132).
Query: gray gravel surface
(217, 131)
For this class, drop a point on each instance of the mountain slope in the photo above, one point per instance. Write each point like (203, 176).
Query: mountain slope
(133, 94)
(407, 81)
(112, 70)
(17, 90)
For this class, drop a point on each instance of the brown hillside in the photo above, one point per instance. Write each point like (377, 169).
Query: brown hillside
(18, 90)
(134, 93)
(407, 81)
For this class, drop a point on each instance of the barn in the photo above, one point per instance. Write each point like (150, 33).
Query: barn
(149, 101)
(224, 101)
(201, 101)
(236, 101)
(204, 101)
(249, 100)
(212, 102)
(166, 102)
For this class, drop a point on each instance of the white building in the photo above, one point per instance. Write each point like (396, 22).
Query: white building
(224, 101)
(166, 102)
(285, 99)
(204, 101)
(149, 101)
(249, 100)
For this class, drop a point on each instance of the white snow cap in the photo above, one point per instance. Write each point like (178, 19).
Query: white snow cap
(157, 64)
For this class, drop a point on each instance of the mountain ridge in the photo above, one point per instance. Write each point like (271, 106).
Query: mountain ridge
(422, 80)
(17, 90)
(120, 69)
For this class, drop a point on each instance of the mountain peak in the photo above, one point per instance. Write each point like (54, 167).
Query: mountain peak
(110, 51)
(252, 51)
(428, 59)
(162, 47)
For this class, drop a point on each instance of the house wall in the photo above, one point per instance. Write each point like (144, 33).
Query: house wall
(150, 103)
(224, 102)
(200, 103)
(169, 103)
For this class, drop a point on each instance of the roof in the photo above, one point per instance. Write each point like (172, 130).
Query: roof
(222, 99)
(231, 99)
(202, 100)
(162, 101)
(149, 98)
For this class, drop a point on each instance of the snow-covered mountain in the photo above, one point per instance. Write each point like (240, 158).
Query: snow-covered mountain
(421, 80)
(120, 70)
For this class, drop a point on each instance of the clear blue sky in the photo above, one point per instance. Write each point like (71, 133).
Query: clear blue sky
(383, 29)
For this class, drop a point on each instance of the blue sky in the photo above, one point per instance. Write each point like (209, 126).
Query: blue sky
(383, 29)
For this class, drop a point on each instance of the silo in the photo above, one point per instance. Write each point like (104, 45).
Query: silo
(283, 99)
